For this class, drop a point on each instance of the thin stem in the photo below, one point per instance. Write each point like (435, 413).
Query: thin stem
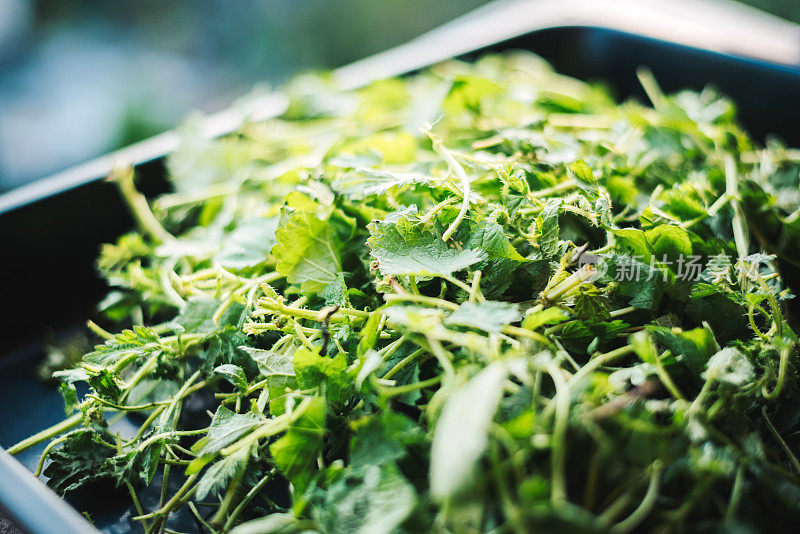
(422, 299)
(399, 366)
(246, 500)
(457, 169)
(732, 191)
(67, 424)
(558, 446)
(138, 205)
(779, 439)
(408, 388)
(184, 490)
(645, 507)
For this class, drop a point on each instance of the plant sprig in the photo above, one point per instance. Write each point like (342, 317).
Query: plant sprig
(542, 310)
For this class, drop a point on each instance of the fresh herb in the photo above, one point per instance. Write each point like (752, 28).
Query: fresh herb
(481, 298)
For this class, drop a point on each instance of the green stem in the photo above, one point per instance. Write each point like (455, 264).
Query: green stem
(558, 445)
(645, 507)
(408, 388)
(786, 449)
(138, 205)
(399, 366)
(67, 424)
(186, 489)
(255, 490)
(457, 169)
(421, 299)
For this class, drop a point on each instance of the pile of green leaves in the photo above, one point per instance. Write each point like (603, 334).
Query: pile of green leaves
(384, 311)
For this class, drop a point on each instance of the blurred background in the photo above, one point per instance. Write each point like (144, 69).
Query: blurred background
(81, 77)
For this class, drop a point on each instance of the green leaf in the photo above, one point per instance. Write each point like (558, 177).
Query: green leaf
(78, 462)
(384, 438)
(467, 93)
(363, 183)
(406, 247)
(271, 363)
(590, 305)
(233, 374)
(70, 396)
(547, 316)
(461, 433)
(248, 245)
(548, 227)
(515, 177)
(669, 241)
(695, 347)
(137, 341)
(314, 370)
(197, 315)
(335, 293)
(307, 251)
(221, 472)
(296, 452)
(372, 500)
(584, 178)
(226, 428)
(488, 315)
(489, 237)
(633, 242)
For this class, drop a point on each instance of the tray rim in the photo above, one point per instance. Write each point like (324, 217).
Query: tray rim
(727, 28)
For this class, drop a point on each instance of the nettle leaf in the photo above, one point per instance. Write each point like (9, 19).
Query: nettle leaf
(406, 247)
(547, 316)
(590, 305)
(642, 284)
(415, 318)
(80, 461)
(219, 475)
(363, 183)
(461, 433)
(694, 347)
(296, 452)
(307, 251)
(248, 245)
(489, 237)
(233, 374)
(70, 396)
(584, 179)
(632, 242)
(669, 241)
(271, 363)
(515, 177)
(384, 438)
(226, 428)
(313, 370)
(139, 341)
(488, 315)
(139, 464)
(197, 315)
(335, 293)
(548, 228)
(372, 500)
(105, 383)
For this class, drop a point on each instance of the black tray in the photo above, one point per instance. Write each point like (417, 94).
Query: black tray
(50, 241)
